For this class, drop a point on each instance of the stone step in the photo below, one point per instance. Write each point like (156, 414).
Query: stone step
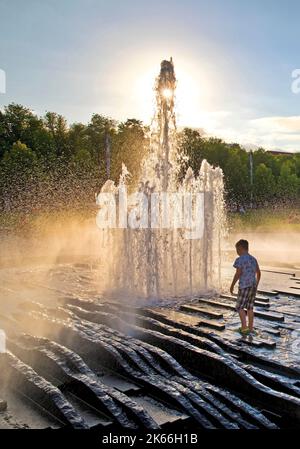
(94, 418)
(159, 322)
(214, 303)
(262, 298)
(278, 270)
(21, 377)
(287, 326)
(290, 291)
(222, 369)
(268, 292)
(203, 322)
(258, 303)
(261, 304)
(253, 343)
(271, 316)
(193, 320)
(195, 309)
(264, 315)
(79, 382)
(269, 344)
(274, 332)
(212, 325)
(259, 298)
(123, 385)
(257, 343)
(279, 383)
(162, 415)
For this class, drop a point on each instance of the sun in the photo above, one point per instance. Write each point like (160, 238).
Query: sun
(167, 93)
(194, 87)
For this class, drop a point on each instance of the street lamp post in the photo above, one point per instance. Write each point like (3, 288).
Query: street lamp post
(251, 177)
(107, 151)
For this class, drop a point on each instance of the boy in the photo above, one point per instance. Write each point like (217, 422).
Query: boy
(248, 274)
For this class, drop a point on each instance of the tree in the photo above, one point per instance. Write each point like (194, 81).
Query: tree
(97, 129)
(78, 137)
(57, 126)
(191, 150)
(296, 161)
(288, 182)
(261, 156)
(18, 123)
(129, 146)
(237, 179)
(47, 162)
(20, 175)
(264, 184)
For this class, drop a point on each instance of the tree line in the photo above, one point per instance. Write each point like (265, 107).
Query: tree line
(275, 178)
(46, 164)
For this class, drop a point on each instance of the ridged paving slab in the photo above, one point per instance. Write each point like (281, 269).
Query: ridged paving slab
(271, 316)
(154, 349)
(219, 367)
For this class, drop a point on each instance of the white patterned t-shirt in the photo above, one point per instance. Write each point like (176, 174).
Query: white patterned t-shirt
(248, 264)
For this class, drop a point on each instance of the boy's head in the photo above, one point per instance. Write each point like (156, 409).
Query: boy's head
(242, 247)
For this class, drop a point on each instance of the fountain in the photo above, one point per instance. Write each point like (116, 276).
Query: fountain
(75, 360)
(165, 239)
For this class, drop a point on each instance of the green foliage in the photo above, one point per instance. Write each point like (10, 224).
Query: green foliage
(276, 178)
(264, 184)
(18, 123)
(45, 163)
(237, 177)
(129, 146)
(57, 128)
(288, 181)
(19, 173)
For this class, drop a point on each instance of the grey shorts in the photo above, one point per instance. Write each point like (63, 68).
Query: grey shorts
(246, 298)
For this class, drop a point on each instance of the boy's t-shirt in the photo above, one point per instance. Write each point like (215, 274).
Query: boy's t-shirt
(248, 264)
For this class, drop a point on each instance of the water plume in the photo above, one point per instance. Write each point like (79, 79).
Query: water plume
(168, 243)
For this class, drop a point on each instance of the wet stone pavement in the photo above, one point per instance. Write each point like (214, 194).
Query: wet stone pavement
(79, 359)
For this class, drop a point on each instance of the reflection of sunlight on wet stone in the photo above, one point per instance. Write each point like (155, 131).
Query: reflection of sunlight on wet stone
(2, 82)
(2, 342)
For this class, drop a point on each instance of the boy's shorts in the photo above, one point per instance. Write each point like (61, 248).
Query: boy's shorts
(246, 298)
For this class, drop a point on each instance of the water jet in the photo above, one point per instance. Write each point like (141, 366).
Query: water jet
(175, 248)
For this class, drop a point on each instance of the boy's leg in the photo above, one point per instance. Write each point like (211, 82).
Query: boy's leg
(240, 304)
(242, 315)
(250, 311)
(250, 314)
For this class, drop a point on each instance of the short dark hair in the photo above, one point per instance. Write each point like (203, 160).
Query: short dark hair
(243, 244)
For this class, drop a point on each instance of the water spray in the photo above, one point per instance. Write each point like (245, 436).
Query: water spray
(165, 118)
(179, 255)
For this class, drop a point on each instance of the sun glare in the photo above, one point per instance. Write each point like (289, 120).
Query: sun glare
(188, 98)
(167, 93)
(192, 94)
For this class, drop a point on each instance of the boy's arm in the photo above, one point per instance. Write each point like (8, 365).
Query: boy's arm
(235, 279)
(258, 274)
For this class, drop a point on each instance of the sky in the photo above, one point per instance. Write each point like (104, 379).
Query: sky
(234, 61)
